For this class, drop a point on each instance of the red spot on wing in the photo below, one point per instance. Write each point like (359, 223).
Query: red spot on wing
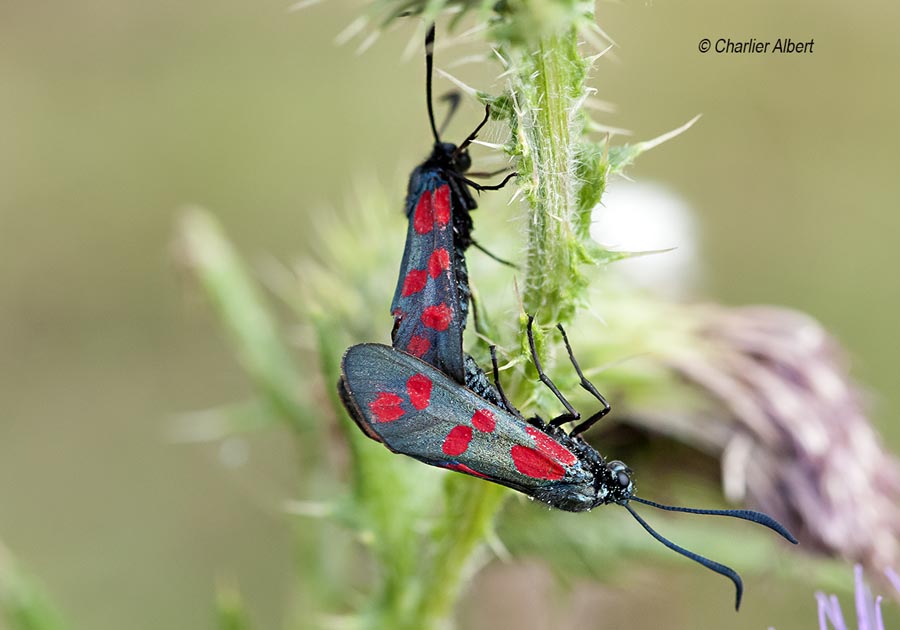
(438, 261)
(483, 420)
(551, 448)
(418, 346)
(437, 317)
(386, 407)
(418, 386)
(457, 441)
(442, 205)
(465, 469)
(536, 465)
(414, 282)
(423, 216)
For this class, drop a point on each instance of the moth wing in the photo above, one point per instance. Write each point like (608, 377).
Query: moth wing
(429, 313)
(417, 411)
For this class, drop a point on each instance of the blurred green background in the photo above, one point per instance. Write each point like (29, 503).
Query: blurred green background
(114, 115)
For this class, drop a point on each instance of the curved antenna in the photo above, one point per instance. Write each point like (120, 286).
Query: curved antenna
(454, 98)
(712, 565)
(429, 66)
(747, 515)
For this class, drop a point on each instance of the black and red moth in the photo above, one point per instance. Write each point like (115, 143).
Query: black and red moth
(431, 301)
(413, 409)
(427, 399)
(416, 410)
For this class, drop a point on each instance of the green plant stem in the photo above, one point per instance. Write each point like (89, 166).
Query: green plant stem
(241, 309)
(468, 521)
(552, 195)
(548, 83)
(422, 579)
(23, 601)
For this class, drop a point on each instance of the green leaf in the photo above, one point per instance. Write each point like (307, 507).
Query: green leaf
(252, 330)
(230, 612)
(23, 600)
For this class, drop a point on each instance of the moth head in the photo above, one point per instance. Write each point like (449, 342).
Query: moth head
(619, 482)
(451, 157)
(462, 161)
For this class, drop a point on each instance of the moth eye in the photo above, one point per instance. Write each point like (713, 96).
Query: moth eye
(623, 479)
(463, 161)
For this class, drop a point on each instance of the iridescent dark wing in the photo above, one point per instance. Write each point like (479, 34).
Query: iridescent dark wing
(416, 410)
(428, 308)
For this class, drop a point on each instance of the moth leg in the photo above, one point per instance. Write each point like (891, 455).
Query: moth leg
(497, 378)
(475, 319)
(570, 415)
(588, 386)
(488, 173)
(465, 143)
(480, 187)
(478, 246)
(459, 190)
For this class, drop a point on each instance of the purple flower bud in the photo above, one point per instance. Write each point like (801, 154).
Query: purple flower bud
(798, 444)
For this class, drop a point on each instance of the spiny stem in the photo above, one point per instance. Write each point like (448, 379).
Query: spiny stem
(545, 94)
(552, 195)
(467, 522)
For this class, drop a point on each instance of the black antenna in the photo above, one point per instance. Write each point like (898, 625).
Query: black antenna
(454, 98)
(712, 565)
(429, 65)
(747, 515)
